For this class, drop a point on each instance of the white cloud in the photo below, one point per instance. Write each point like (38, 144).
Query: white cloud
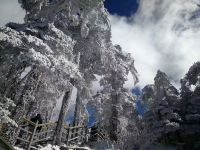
(10, 11)
(163, 34)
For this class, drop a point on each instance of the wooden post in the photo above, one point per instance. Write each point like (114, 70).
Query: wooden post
(68, 135)
(71, 132)
(82, 133)
(47, 129)
(86, 132)
(77, 107)
(61, 119)
(32, 136)
(76, 133)
(15, 135)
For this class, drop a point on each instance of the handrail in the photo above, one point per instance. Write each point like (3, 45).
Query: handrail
(40, 133)
(33, 123)
(26, 130)
(75, 127)
(100, 134)
(22, 139)
(75, 133)
(39, 140)
(46, 124)
(29, 121)
(52, 123)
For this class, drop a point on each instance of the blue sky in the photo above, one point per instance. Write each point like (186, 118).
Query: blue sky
(122, 7)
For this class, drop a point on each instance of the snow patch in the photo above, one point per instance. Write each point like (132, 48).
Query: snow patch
(50, 147)
(17, 148)
(38, 57)
(2, 36)
(192, 88)
(123, 122)
(25, 72)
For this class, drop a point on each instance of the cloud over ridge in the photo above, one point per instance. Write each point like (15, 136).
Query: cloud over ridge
(162, 35)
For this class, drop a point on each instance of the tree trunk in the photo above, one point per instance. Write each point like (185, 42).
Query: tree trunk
(61, 119)
(114, 118)
(76, 111)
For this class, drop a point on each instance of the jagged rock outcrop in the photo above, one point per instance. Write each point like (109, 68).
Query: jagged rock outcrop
(162, 117)
(147, 95)
(172, 117)
(65, 43)
(190, 110)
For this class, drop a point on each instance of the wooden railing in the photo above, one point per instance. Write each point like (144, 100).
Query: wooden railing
(74, 134)
(98, 135)
(29, 134)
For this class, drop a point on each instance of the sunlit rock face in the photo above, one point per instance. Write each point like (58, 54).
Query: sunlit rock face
(172, 116)
(65, 43)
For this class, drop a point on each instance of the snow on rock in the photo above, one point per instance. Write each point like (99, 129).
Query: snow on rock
(171, 114)
(26, 71)
(192, 88)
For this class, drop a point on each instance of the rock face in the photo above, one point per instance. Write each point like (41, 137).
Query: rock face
(172, 117)
(190, 94)
(65, 43)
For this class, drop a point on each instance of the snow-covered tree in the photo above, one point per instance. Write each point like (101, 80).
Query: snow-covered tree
(5, 105)
(64, 43)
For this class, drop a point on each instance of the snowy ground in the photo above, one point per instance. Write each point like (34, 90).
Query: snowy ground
(53, 147)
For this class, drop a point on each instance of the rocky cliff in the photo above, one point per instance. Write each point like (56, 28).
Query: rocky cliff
(173, 116)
